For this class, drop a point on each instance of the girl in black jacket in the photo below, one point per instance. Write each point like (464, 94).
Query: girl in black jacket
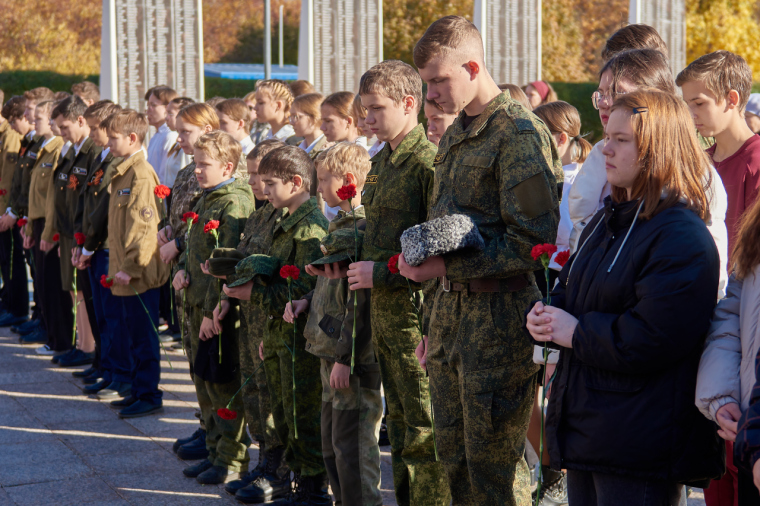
(630, 314)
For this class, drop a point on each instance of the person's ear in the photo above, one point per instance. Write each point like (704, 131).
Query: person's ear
(241, 124)
(279, 105)
(349, 178)
(132, 138)
(207, 129)
(563, 139)
(733, 98)
(297, 182)
(410, 105)
(81, 121)
(229, 168)
(473, 68)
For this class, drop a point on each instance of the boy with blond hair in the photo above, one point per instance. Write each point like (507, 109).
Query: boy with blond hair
(286, 177)
(716, 87)
(396, 196)
(351, 402)
(134, 263)
(226, 202)
(496, 165)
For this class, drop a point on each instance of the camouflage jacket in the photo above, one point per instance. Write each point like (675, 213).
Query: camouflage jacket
(10, 145)
(70, 179)
(231, 205)
(396, 196)
(95, 199)
(22, 177)
(329, 328)
(500, 172)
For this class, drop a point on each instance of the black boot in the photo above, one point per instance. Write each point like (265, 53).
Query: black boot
(195, 449)
(185, 440)
(307, 491)
(553, 487)
(245, 480)
(274, 483)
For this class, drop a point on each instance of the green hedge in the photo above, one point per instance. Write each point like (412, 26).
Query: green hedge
(579, 95)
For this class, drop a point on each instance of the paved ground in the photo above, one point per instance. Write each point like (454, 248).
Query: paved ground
(59, 447)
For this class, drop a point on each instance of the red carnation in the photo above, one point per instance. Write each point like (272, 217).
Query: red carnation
(290, 272)
(56, 237)
(393, 263)
(347, 192)
(226, 414)
(211, 225)
(162, 191)
(190, 218)
(540, 249)
(79, 238)
(106, 281)
(22, 221)
(562, 257)
(3, 192)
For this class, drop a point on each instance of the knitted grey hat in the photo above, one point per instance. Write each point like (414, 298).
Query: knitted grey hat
(440, 236)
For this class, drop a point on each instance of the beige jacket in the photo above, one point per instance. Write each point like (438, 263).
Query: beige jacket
(42, 186)
(10, 144)
(133, 220)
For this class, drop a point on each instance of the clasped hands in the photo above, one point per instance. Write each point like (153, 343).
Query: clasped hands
(551, 324)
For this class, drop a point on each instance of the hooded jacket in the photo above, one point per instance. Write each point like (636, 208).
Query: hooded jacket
(622, 403)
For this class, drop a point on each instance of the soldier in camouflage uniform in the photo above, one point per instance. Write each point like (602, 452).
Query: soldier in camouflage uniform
(257, 239)
(295, 241)
(216, 377)
(496, 165)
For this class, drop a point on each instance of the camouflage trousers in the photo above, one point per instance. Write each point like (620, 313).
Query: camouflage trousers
(418, 479)
(226, 440)
(304, 454)
(483, 382)
(255, 393)
(184, 325)
(350, 428)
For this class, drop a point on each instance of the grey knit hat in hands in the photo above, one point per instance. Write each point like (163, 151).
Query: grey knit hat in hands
(438, 237)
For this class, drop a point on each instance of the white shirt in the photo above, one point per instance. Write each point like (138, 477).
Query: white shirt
(565, 223)
(362, 141)
(282, 134)
(376, 148)
(65, 148)
(78, 146)
(175, 163)
(247, 145)
(310, 147)
(158, 150)
(47, 141)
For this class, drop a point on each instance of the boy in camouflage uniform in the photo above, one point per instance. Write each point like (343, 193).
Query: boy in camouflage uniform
(495, 164)
(256, 239)
(216, 359)
(396, 197)
(351, 403)
(286, 176)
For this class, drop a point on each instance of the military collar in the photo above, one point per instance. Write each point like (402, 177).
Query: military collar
(459, 133)
(302, 212)
(407, 146)
(55, 143)
(125, 165)
(343, 218)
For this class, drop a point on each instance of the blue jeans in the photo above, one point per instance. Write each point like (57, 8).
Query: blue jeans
(585, 488)
(144, 345)
(115, 358)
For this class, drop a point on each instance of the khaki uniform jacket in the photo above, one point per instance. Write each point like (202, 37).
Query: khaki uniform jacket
(10, 145)
(70, 178)
(42, 189)
(95, 201)
(133, 225)
(19, 194)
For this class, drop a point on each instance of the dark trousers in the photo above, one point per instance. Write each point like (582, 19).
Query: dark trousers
(748, 493)
(115, 357)
(37, 307)
(144, 346)
(166, 308)
(15, 292)
(83, 284)
(585, 488)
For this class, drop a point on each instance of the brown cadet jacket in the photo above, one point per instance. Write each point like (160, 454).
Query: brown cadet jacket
(42, 188)
(10, 145)
(19, 193)
(132, 225)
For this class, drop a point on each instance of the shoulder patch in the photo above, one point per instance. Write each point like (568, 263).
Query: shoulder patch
(524, 125)
(440, 157)
(371, 180)
(146, 213)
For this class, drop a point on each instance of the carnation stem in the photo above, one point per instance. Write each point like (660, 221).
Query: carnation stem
(244, 384)
(545, 384)
(293, 361)
(147, 313)
(73, 310)
(356, 256)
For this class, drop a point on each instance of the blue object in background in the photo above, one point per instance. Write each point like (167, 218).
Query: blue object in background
(250, 71)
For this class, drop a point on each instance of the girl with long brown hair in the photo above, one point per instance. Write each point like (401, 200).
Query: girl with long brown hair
(630, 314)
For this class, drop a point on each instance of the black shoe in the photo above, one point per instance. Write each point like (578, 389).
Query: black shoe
(307, 491)
(123, 403)
(383, 440)
(273, 483)
(92, 378)
(37, 336)
(185, 440)
(141, 408)
(9, 319)
(96, 387)
(57, 358)
(84, 373)
(115, 389)
(77, 358)
(196, 469)
(195, 449)
(26, 327)
(216, 475)
(246, 479)
(554, 488)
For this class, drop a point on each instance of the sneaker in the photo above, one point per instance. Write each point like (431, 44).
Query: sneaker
(141, 408)
(38, 336)
(77, 357)
(60, 354)
(45, 350)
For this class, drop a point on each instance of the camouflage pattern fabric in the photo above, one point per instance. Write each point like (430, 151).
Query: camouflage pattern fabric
(500, 172)
(395, 196)
(185, 194)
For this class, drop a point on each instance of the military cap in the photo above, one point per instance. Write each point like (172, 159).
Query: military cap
(440, 236)
(339, 246)
(253, 266)
(223, 261)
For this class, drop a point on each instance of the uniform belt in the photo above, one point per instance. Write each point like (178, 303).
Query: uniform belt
(480, 285)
